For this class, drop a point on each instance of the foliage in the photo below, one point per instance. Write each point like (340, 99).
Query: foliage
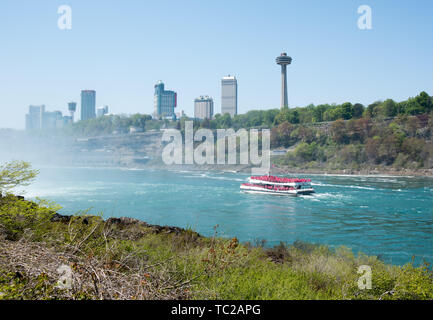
(129, 259)
(112, 124)
(14, 174)
(17, 215)
(403, 142)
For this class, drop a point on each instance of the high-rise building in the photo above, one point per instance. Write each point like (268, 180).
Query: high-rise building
(101, 111)
(52, 120)
(88, 101)
(164, 101)
(229, 95)
(203, 107)
(72, 107)
(34, 117)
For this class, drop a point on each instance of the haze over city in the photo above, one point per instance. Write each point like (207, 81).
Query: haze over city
(122, 49)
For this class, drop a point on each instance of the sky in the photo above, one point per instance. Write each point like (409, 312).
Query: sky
(122, 48)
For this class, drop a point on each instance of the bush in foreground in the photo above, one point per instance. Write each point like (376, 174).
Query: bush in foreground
(128, 259)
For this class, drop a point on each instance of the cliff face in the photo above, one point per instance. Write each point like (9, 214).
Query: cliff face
(395, 146)
(400, 145)
(135, 149)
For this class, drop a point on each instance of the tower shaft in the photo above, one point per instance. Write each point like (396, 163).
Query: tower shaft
(283, 60)
(284, 99)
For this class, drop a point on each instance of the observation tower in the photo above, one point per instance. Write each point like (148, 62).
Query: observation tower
(283, 60)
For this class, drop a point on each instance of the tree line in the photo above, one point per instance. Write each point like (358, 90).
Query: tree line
(421, 104)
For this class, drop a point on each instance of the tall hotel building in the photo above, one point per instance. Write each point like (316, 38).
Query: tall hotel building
(34, 117)
(203, 107)
(164, 102)
(88, 102)
(229, 95)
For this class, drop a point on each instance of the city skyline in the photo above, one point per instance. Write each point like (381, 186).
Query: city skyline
(162, 101)
(123, 54)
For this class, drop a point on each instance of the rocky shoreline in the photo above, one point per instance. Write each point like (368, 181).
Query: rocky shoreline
(127, 224)
(372, 172)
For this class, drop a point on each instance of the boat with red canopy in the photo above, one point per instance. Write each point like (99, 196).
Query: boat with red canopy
(277, 185)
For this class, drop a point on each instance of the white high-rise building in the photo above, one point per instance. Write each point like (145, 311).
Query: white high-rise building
(101, 111)
(229, 95)
(203, 107)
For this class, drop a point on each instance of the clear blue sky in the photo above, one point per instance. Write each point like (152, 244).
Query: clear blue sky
(122, 48)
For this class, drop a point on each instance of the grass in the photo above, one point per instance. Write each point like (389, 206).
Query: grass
(128, 259)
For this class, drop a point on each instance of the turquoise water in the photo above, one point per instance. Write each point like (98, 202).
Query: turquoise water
(382, 215)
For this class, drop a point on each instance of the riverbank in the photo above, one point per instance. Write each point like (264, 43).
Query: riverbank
(123, 258)
(372, 172)
(287, 170)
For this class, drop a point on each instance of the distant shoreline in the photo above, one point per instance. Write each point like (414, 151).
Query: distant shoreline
(276, 170)
(396, 173)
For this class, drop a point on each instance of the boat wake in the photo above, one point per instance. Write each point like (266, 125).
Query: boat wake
(344, 186)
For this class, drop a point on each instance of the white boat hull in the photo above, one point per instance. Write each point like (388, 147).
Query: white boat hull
(259, 190)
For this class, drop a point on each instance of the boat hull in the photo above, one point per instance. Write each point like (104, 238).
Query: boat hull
(293, 193)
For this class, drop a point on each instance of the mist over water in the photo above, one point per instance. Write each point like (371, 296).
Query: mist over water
(382, 215)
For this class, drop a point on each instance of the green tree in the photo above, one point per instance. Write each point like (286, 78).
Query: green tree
(347, 110)
(308, 151)
(294, 118)
(388, 108)
(226, 120)
(269, 116)
(371, 109)
(319, 111)
(282, 116)
(358, 110)
(425, 101)
(420, 104)
(14, 174)
(332, 114)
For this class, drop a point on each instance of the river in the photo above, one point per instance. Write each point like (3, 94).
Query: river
(388, 216)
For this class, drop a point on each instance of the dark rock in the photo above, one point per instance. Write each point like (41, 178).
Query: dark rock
(125, 222)
(57, 217)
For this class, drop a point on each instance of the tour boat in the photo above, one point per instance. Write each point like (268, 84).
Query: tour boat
(277, 186)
